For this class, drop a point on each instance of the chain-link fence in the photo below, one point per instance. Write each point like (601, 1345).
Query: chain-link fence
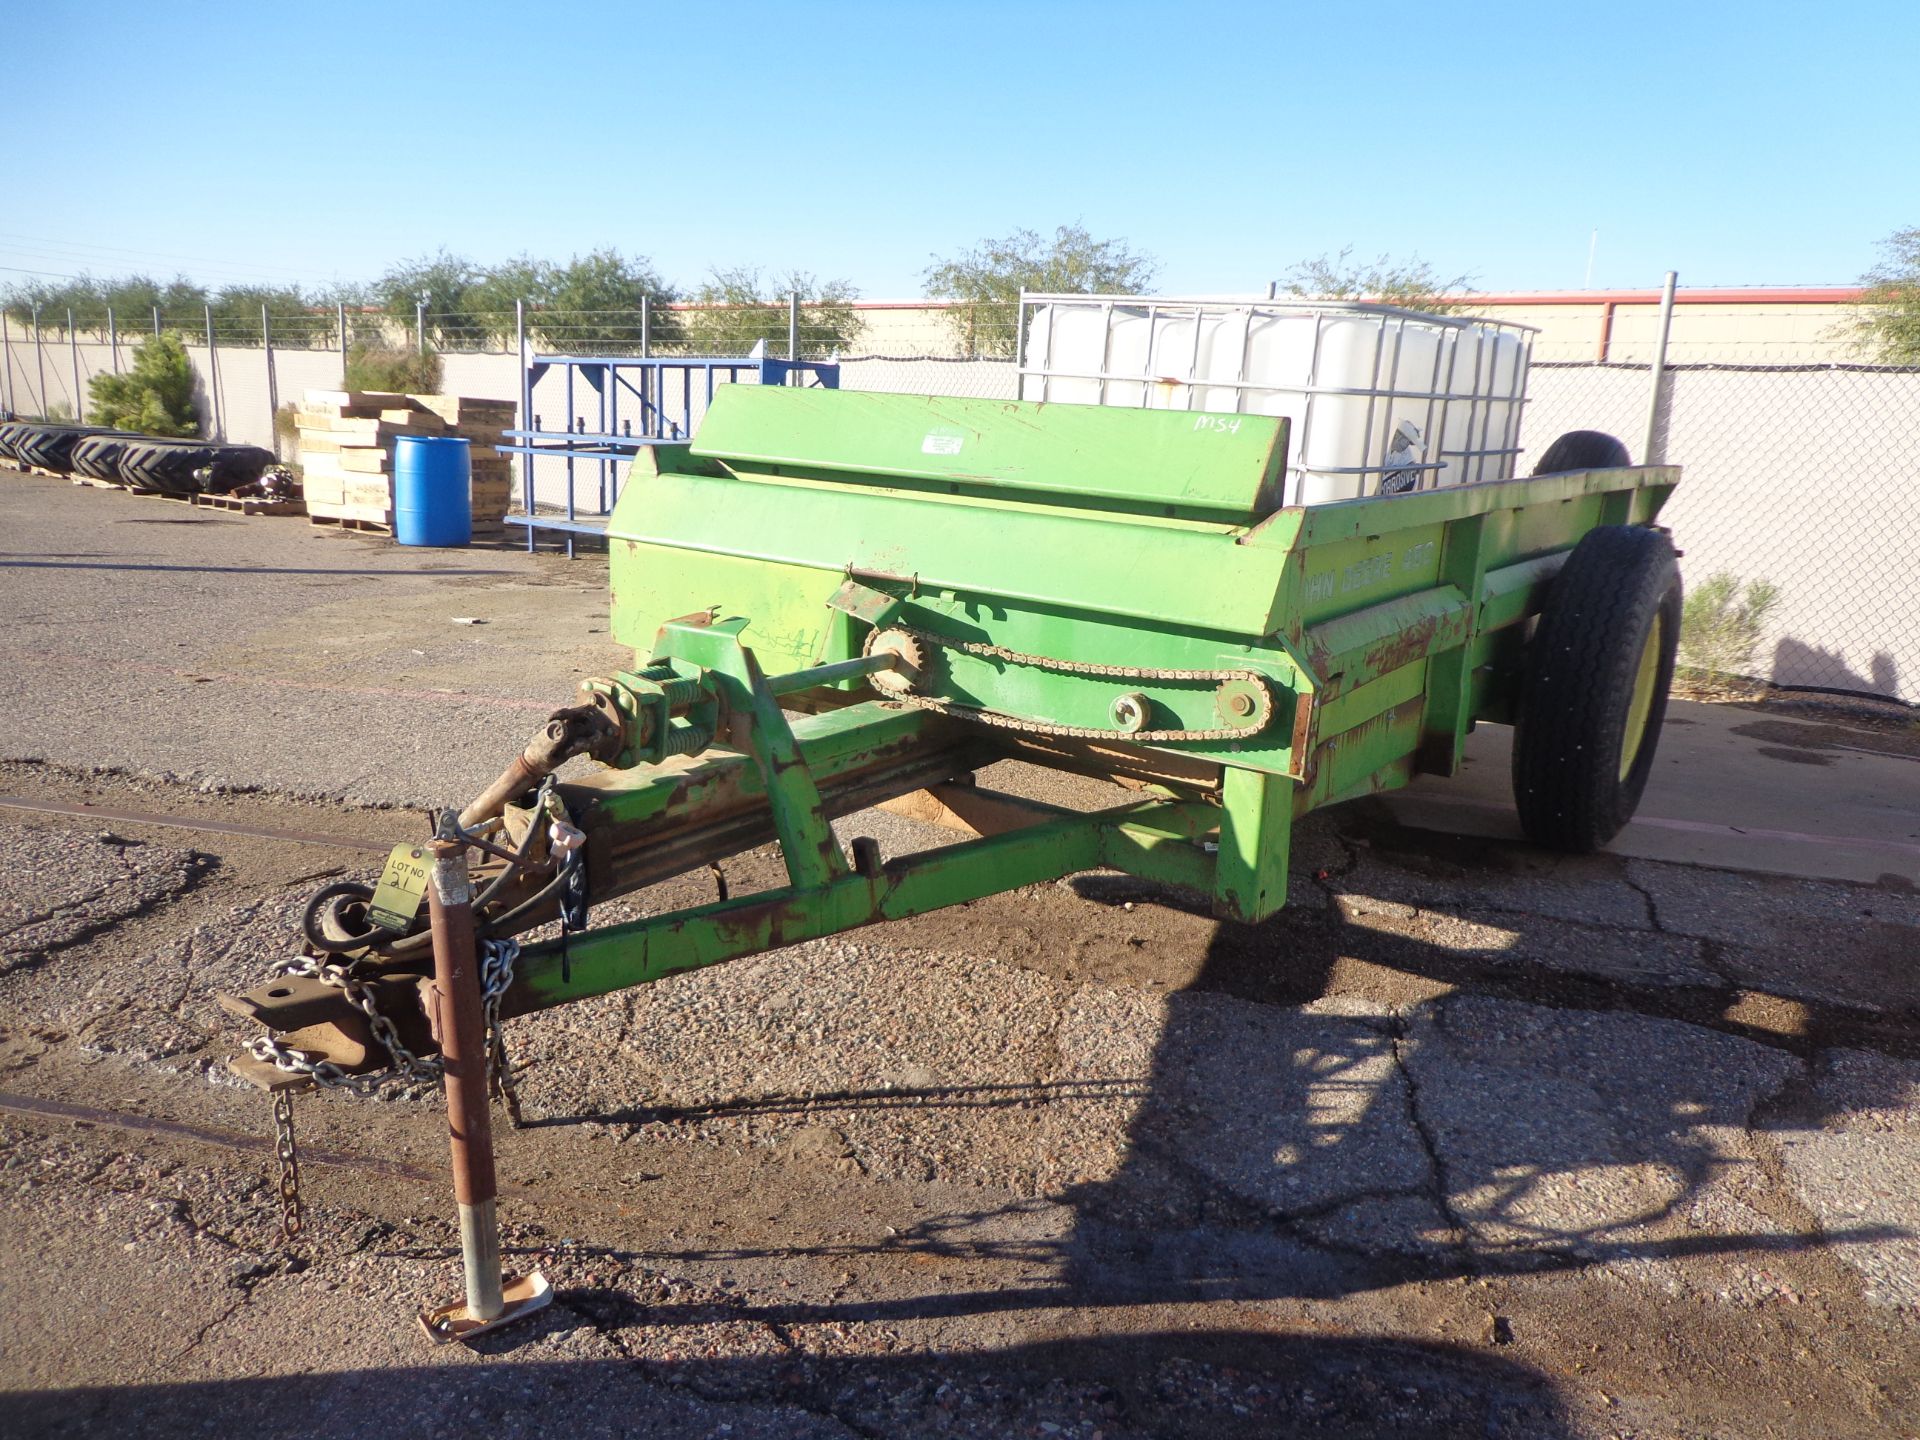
(244, 371)
(1799, 512)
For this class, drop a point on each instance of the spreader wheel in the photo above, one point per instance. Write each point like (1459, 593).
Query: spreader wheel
(1582, 450)
(1594, 691)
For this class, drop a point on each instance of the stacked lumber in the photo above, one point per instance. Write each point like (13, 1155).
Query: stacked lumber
(346, 452)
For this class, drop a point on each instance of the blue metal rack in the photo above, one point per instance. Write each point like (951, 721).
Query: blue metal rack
(658, 398)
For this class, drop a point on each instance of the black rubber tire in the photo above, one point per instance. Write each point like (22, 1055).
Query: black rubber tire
(6, 441)
(166, 465)
(329, 911)
(169, 466)
(236, 465)
(50, 447)
(1582, 450)
(98, 456)
(1577, 688)
(138, 463)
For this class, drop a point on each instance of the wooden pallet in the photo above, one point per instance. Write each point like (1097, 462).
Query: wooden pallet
(251, 504)
(481, 530)
(348, 522)
(234, 504)
(94, 484)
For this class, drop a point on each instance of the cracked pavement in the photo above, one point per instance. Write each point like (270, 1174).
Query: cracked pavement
(1469, 1140)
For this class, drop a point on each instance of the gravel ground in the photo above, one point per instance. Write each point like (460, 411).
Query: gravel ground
(1469, 1141)
(57, 890)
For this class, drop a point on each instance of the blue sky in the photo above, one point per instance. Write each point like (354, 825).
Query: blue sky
(1759, 143)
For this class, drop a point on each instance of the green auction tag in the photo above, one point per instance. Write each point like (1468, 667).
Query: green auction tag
(403, 884)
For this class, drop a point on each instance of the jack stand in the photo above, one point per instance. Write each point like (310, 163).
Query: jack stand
(460, 1019)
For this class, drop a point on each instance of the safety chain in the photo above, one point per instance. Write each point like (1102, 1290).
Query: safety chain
(292, 1213)
(406, 1066)
(497, 959)
(1080, 667)
(496, 974)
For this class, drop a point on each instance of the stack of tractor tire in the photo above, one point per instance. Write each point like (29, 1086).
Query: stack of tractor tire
(142, 462)
(7, 452)
(47, 447)
(190, 467)
(97, 457)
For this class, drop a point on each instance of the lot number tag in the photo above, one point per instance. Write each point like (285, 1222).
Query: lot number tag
(403, 884)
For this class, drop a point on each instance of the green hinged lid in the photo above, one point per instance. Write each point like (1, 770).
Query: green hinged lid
(1195, 466)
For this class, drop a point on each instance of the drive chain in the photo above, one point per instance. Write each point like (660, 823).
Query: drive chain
(1003, 721)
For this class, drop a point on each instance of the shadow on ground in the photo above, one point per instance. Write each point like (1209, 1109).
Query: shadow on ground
(1527, 1094)
(1216, 1384)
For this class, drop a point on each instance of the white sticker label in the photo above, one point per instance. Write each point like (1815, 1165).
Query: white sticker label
(940, 445)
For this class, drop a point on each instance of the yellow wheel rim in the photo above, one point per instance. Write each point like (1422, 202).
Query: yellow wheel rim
(1642, 703)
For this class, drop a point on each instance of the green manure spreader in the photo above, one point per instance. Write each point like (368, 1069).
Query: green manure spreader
(842, 600)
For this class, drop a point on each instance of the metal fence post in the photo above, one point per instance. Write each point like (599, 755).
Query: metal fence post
(793, 331)
(113, 340)
(340, 319)
(6, 351)
(420, 321)
(156, 320)
(1655, 400)
(526, 413)
(646, 327)
(73, 350)
(273, 382)
(40, 359)
(213, 378)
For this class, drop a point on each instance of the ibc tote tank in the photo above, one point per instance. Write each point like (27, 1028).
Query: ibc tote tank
(1378, 396)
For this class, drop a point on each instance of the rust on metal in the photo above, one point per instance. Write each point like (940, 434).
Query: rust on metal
(1348, 651)
(573, 731)
(1301, 745)
(521, 1296)
(490, 1300)
(1404, 647)
(463, 1042)
(1374, 761)
(863, 602)
(321, 1021)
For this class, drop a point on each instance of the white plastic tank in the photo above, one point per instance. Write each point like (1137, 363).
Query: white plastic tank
(1381, 400)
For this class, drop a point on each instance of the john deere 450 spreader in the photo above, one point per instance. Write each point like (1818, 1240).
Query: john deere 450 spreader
(841, 600)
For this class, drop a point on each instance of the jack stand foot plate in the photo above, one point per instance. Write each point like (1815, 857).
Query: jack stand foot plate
(524, 1294)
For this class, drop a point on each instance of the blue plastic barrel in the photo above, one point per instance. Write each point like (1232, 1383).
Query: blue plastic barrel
(432, 504)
